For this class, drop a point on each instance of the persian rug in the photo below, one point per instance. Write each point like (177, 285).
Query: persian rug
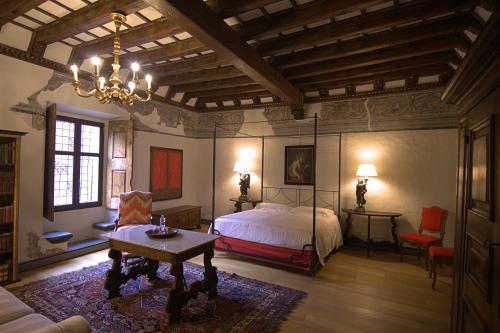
(242, 304)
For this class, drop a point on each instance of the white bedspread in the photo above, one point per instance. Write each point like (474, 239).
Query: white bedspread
(290, 229)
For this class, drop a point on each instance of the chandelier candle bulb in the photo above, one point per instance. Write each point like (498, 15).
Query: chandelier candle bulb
(149, 78)
(131, 86)
(74, 69)
(96, 61)
(102, 80)
(135, 68)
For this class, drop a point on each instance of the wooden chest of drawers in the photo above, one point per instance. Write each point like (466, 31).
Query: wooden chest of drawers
(184, 217)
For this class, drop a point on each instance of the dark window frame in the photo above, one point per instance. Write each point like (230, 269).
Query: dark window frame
(76, 153)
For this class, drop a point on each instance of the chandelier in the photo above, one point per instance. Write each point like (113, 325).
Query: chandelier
(114, 90)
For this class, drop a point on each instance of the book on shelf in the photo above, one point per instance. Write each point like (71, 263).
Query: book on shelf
(4, 271)
(7, 182)
(7, 153)
(6, 242)
(7, 214)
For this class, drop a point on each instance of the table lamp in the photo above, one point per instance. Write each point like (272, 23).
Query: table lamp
(243, 169)
(364, 171)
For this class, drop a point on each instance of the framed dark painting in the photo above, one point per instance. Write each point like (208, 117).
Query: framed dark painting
(299, 165)
(165, 180)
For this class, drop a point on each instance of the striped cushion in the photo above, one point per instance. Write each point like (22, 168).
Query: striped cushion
(135, 208)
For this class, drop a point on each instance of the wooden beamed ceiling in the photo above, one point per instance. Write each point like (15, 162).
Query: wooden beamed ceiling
(212, 55)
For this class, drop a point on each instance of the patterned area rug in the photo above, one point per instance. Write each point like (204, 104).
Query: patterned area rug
(243, 305)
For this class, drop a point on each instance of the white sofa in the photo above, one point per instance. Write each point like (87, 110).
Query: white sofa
(17, 317)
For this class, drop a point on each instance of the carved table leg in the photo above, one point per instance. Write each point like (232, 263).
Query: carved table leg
(114, 277)
(176, 295)
(237, 205)
(394, 235)
(347, 227)
(211, 278)
(151, 267)
(368, 245)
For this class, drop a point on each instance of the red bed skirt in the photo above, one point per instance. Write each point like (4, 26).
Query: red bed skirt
(267, 253)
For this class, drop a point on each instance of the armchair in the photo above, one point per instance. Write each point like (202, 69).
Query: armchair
(433, 221)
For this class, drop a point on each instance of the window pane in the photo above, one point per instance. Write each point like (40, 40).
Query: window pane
(89, 179)
(63, 180)
(65, 135)
(91, 137)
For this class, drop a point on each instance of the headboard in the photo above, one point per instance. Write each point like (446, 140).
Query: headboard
(295, 197)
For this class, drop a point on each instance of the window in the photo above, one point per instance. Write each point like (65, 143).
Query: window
(78, 159)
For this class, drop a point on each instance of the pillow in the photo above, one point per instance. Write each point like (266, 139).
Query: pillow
(272, 206)
(320, 211)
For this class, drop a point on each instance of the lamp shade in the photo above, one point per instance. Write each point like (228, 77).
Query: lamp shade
(366, 170)
(241, 167)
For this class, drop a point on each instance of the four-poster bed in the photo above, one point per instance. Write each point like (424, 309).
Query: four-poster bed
(295, 227)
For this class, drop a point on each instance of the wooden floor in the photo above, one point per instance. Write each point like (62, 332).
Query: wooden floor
(350, 294)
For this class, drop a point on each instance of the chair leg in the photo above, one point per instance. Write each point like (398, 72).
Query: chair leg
(430, 271)
(418, 252)
(426, 258)
(401, 251)
(434, 274)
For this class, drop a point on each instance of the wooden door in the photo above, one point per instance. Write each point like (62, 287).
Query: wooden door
(119, 170)
(479, 303)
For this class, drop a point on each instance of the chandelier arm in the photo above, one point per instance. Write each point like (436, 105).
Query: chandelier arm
(81, 93)
(138, 98)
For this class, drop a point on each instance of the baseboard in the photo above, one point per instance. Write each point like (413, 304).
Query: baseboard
(74, 250)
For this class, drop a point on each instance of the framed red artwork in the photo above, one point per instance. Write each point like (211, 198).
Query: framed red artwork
(165, 180)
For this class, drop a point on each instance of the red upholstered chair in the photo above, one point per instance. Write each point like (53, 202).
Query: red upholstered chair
(439, 255)
(134, 209)
(433, 223)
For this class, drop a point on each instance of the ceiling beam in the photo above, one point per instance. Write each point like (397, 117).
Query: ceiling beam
(87, 18)
(186, 65)
(177, 49)
(199, 76)
(377, 41)
(388, 76)
(12, 9)
(228, 8)
(225, 91)
(300, 16)
(427, 60)
(251, 95)
(377, 57)
(199, 20)
(217, 84)
(138, 35)
(372, 22)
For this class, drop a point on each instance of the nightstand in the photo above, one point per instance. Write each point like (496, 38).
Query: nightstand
(238, 202)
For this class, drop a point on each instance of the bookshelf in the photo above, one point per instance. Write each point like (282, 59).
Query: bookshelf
(10, 148)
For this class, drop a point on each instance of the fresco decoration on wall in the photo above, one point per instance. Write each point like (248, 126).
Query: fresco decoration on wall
(418, 110)
(34, 250)
(34, 108)
(201, 125)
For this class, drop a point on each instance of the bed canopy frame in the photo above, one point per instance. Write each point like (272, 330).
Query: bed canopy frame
(281, 191)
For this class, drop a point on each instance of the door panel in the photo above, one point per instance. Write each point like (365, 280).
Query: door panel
(478, 270)
(119, 170)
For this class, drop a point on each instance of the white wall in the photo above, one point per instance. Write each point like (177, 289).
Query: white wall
(416, 169)
(196, 166)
